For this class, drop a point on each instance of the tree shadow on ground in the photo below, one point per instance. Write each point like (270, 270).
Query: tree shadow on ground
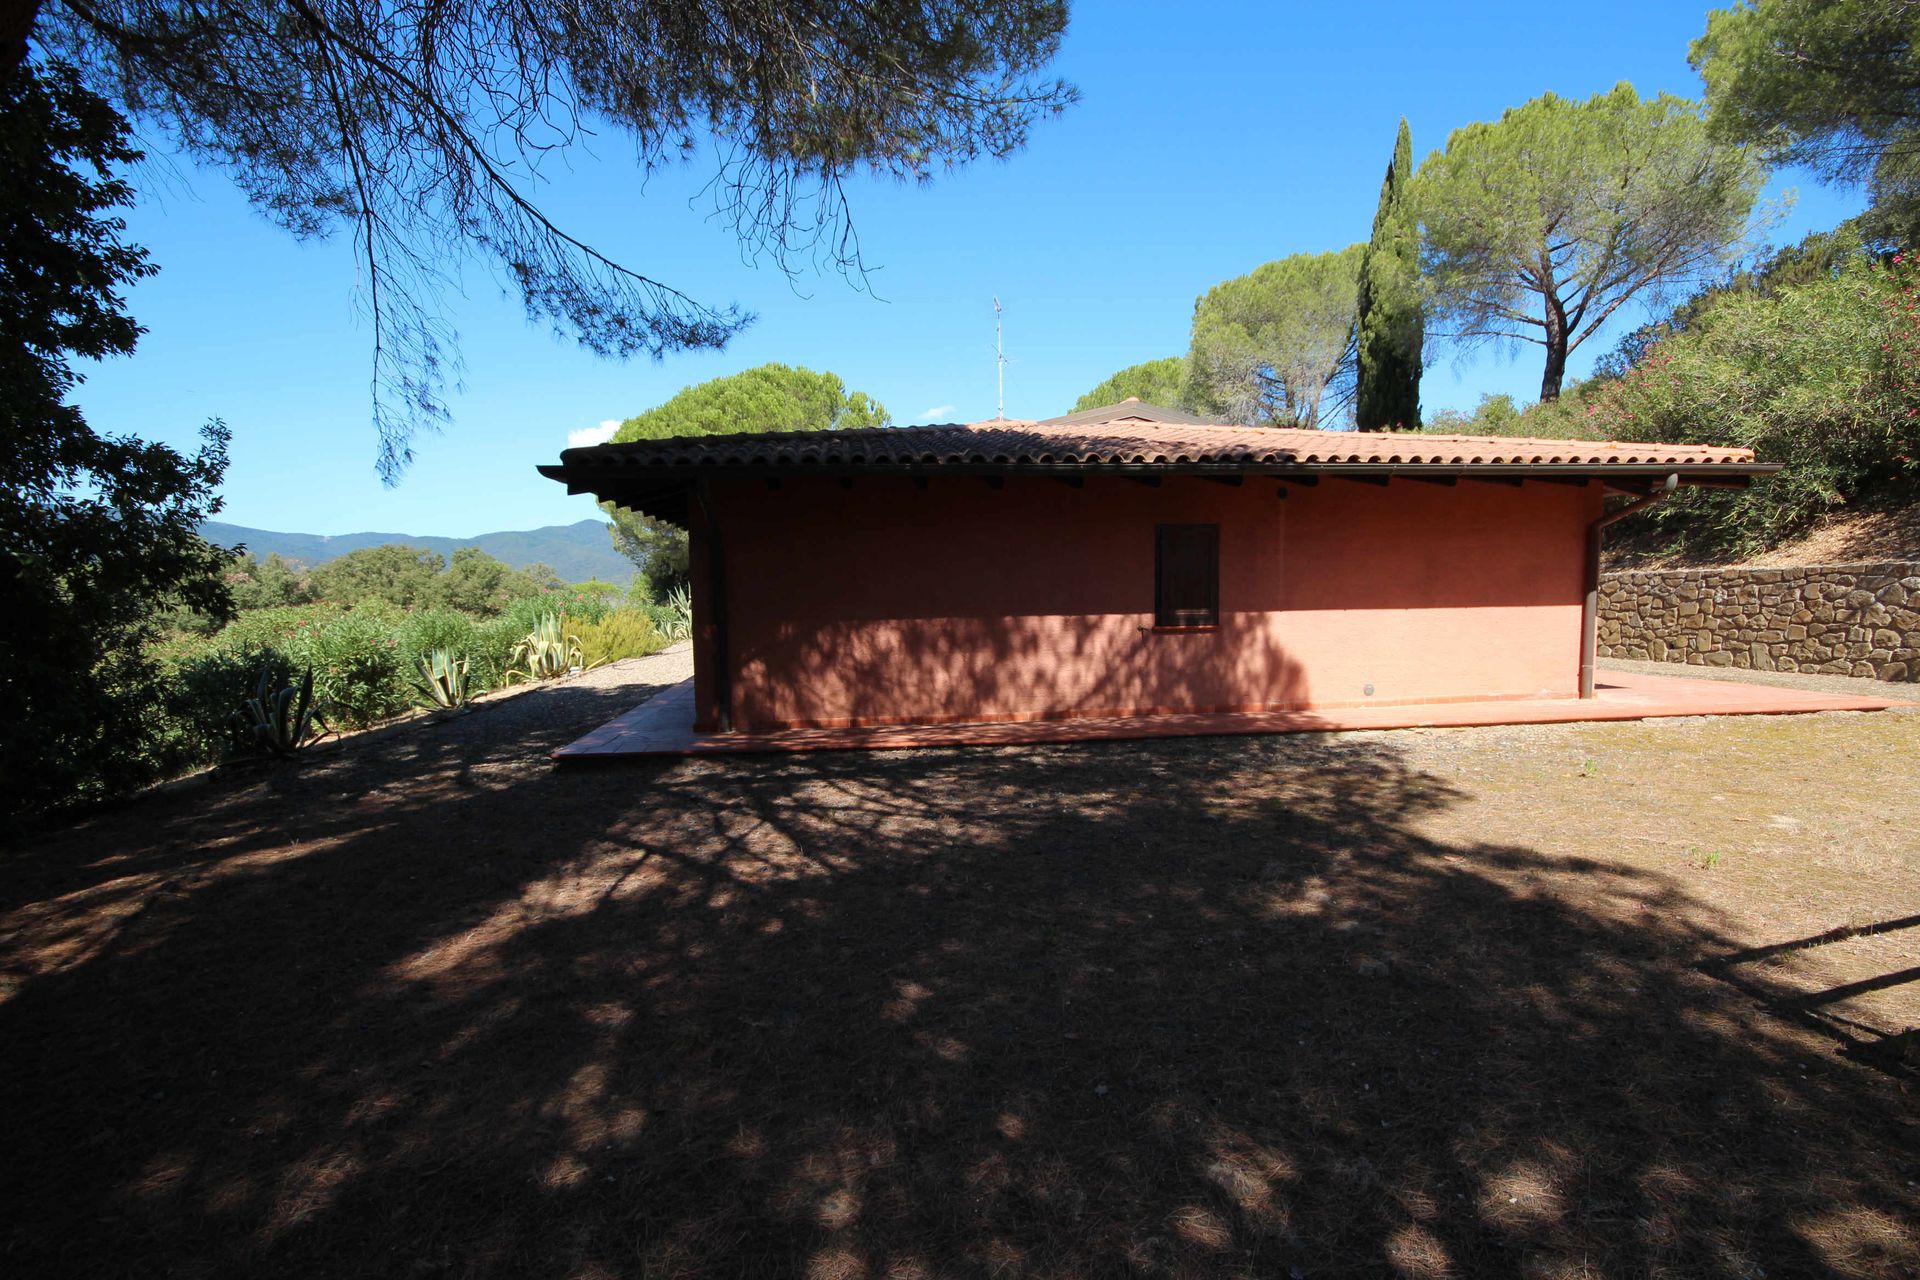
(1182, 1008)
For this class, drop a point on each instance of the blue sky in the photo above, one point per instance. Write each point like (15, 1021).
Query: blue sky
(1205, 143)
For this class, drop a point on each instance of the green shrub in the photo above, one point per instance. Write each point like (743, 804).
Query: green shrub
(366, 663)
(1822, 376)
(583, 603)
(204, 694)
(181, 647)
(425, 630)
(358, 671)
(601, 589)
(524, 613)
(492, 648)
(392, 573)
(623, 633)
(273, 628)
(1818, 377)
(1493, 416)
(672, 617)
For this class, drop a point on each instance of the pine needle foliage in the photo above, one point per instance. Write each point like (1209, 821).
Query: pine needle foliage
(426, 130)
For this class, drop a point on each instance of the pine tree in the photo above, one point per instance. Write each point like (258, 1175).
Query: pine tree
(1540, 226)
(1390, 323)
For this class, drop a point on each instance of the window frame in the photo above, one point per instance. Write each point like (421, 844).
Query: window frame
(1178, 620)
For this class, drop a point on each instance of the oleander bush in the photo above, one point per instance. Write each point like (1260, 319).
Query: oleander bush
(359, 672)
(426, 630)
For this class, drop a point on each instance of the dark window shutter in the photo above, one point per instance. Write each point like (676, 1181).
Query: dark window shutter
(1187, 575)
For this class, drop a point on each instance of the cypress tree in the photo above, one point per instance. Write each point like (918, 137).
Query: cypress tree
(1389, 321)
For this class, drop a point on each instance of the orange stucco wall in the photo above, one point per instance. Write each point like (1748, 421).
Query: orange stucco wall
(888, 603)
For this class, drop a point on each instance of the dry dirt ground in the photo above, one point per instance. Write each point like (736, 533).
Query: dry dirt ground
(1847, 537)
(1483, 1002)
(1843, 537)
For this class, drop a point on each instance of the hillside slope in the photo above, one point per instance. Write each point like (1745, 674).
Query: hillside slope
(1851, 537)
(576, 552)
(1841, 537)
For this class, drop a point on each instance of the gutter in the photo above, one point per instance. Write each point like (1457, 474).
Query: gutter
(1590, 608)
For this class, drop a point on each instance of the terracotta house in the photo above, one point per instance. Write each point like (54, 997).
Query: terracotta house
(1132, 561)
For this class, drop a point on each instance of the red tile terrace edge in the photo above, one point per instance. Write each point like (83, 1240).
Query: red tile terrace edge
(663, 725)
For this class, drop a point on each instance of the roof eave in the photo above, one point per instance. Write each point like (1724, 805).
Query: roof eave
(663, 492)
(584, 471)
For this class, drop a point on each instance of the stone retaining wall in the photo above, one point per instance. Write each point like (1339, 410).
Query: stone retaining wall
(1849, 619)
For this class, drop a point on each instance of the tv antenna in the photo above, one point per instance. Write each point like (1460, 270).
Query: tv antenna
(1000, 363)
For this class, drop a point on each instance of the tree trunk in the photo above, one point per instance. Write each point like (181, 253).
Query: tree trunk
(16, 24)
(1556, 352)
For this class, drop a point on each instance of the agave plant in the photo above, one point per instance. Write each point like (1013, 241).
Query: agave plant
(546, 651)
(443, 681)
(679, 615)
(283, 720)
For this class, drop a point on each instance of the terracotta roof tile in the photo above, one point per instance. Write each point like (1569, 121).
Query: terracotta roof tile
(1132, 443)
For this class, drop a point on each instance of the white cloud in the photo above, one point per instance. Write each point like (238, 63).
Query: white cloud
(593, 435)
(934, 414)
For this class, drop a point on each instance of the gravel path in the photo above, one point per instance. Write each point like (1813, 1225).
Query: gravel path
(554, 712)
(668, 667)
(1907, 692)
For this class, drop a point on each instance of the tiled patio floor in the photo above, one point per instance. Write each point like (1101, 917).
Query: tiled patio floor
(663, 725)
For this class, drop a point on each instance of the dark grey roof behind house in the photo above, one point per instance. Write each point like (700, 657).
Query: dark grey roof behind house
(1133, 409)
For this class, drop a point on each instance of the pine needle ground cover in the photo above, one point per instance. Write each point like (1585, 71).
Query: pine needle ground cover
(1467, 1003)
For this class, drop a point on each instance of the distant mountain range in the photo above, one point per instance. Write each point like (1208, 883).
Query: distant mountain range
(576, 552)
